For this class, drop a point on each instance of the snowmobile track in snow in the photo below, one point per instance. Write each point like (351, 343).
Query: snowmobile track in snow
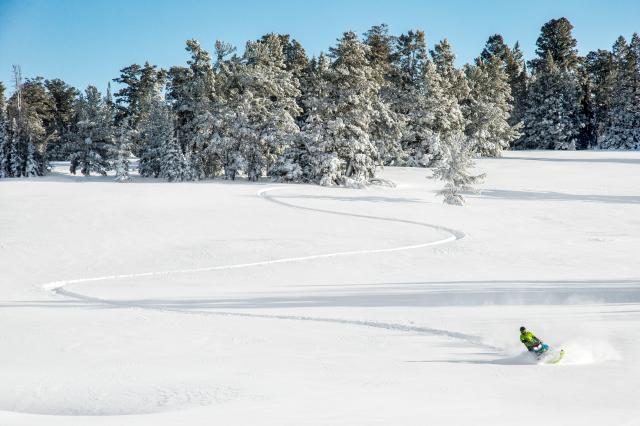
(57, 287)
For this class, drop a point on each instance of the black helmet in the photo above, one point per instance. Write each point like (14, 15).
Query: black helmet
(522, 329)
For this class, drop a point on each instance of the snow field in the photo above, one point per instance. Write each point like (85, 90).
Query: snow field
(423, 335)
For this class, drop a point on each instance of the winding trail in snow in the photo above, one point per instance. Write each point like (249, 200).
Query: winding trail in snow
(58, 287)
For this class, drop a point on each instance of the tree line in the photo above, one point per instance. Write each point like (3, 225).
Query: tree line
(371, 100)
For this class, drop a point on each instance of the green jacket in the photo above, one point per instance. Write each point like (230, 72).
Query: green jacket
(529, 339)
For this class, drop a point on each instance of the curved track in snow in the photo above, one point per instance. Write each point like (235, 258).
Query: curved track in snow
(58, 287)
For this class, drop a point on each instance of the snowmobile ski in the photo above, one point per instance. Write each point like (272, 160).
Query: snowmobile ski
(557, 358)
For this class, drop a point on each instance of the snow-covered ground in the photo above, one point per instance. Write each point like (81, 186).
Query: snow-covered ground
(232, 303)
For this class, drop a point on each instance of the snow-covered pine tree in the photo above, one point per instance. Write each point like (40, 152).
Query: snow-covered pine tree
(33, 108)
(295, 57)
(154, 127)
(5, 141)
(435, 115)
(93, 140)
(622, 129)
(556, 40)
(295, 164)
(18, 143)
(454, 80)
(337, 129)
(587, 135)
(161, 155)
(516, 69)
(191, 93)
(63, 98)
(26, 109)
(387, 126)
(488, 127)
(380, 52)
(599, 69)
(171, 162)
(455, 90)
(297, 62)
(265, 108)
(552, 119)
(174, 165)
(386, 132)
(406, 97)
(495, 46)
(16, 160)
(139, 85)
(425, 102)
(122, 151)
(453, 167)
(32, 166)
(409, 56)
(228, 87)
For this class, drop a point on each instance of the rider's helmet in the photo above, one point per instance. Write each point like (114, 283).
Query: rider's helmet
(522, 329)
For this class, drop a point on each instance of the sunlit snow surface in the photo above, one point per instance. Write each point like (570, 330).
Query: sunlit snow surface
(152, 303)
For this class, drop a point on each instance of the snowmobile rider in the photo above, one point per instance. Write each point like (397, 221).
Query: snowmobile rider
(529, 339)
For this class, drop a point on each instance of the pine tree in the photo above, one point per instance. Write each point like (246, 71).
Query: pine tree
(173, 166)
(162, 156)
(266, 109)
(31, 108)
(387, 126)
(380, 50)
(122, 152)
(409, 58)
(38, 119)
(337, 129)
(516, 70)
(32, 167)
(490, 107)
(622, 129)
(18, 145)
(454, 168)
(406, 96)
(92, 146)
(587, 134)
(599, 69)
(496, 47)
(296, 62)
(557, 40)
(453, 79)
(295, 164)
(191, 93)
(154, 129)
(455, 88)
(63, 99)
(228, 88)
(5, 141)
(295, 58)
(435, 114)
(552, 118)
(16, 159)
(140, 84)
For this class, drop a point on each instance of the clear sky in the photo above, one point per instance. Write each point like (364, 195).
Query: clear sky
(88, 41)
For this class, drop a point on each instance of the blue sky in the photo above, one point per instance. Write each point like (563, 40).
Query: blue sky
(87, 42)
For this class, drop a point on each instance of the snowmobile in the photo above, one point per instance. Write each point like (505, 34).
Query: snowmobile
(543, 354)
(540, 349)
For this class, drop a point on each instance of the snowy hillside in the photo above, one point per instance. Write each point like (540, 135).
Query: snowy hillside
(237, 303)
